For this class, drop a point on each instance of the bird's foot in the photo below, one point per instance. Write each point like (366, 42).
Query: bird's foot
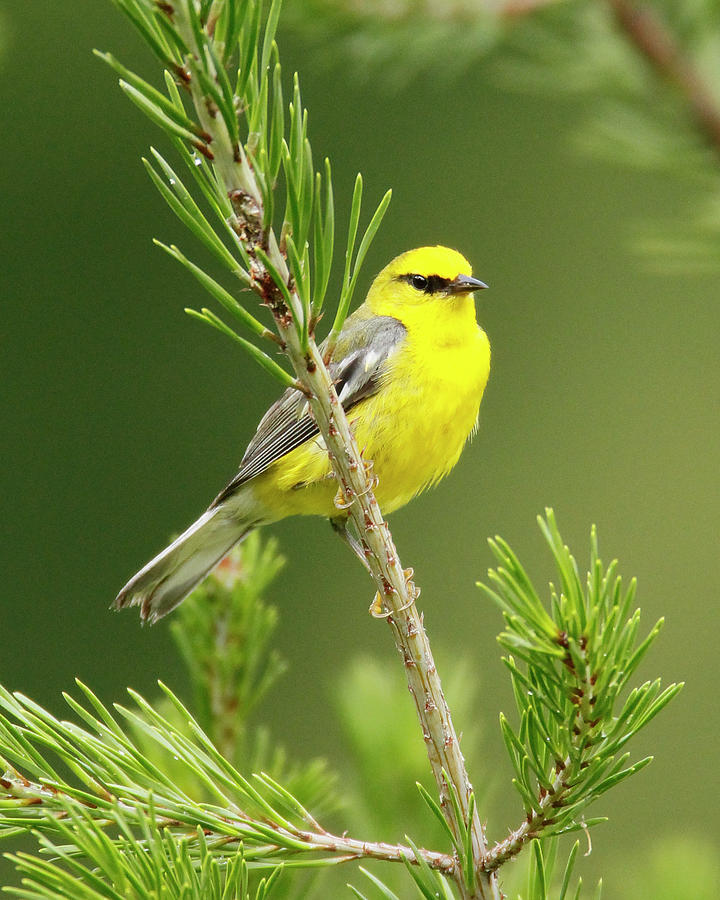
(378, 608)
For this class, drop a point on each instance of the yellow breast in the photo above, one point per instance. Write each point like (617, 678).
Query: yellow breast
(415, 432)
(413, 429)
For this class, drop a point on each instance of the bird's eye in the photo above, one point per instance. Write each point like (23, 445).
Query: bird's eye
(419, 282)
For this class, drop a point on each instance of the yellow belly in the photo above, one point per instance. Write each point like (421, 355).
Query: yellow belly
(413, 431)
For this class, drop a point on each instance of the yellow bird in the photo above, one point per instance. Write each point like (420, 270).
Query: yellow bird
(410, 367)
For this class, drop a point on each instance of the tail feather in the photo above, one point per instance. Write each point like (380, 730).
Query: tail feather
(167, 579)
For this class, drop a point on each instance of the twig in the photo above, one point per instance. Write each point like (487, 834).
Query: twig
(554, 797)
(351, 848)
(532, 826)
(657, 44)
(396, 590)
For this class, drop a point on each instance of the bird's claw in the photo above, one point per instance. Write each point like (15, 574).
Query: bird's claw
(342, 501)
(379, 610)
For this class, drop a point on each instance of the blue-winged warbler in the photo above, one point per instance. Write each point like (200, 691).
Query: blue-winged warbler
(410, 367)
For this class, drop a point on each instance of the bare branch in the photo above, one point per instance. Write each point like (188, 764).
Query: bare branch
(654, 40)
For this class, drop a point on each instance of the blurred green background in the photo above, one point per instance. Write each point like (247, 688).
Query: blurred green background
(121, 418)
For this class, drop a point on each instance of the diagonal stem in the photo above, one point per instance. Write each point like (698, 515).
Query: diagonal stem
(396, 590)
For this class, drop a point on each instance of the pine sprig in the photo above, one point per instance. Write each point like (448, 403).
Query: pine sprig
(237, 138)
(118, 788)
(575, 662)
(144, 860)
(224, 634)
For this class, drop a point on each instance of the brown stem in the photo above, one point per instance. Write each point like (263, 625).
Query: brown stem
(350, 848)
(649, 34)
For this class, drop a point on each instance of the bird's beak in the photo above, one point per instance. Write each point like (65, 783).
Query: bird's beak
(465, 284)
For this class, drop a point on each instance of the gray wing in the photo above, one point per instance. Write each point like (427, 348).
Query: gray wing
(356, 375)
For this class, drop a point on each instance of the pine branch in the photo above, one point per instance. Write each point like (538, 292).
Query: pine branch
(156, 864)
(575, 663)
(125, 786)
(646, 31)
(277, 269)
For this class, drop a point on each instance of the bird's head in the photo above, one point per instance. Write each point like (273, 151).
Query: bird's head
(427, 274)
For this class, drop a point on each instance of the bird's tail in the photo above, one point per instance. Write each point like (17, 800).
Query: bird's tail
(167, 579)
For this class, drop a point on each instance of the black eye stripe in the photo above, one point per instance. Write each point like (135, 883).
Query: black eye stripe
(434, 284)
